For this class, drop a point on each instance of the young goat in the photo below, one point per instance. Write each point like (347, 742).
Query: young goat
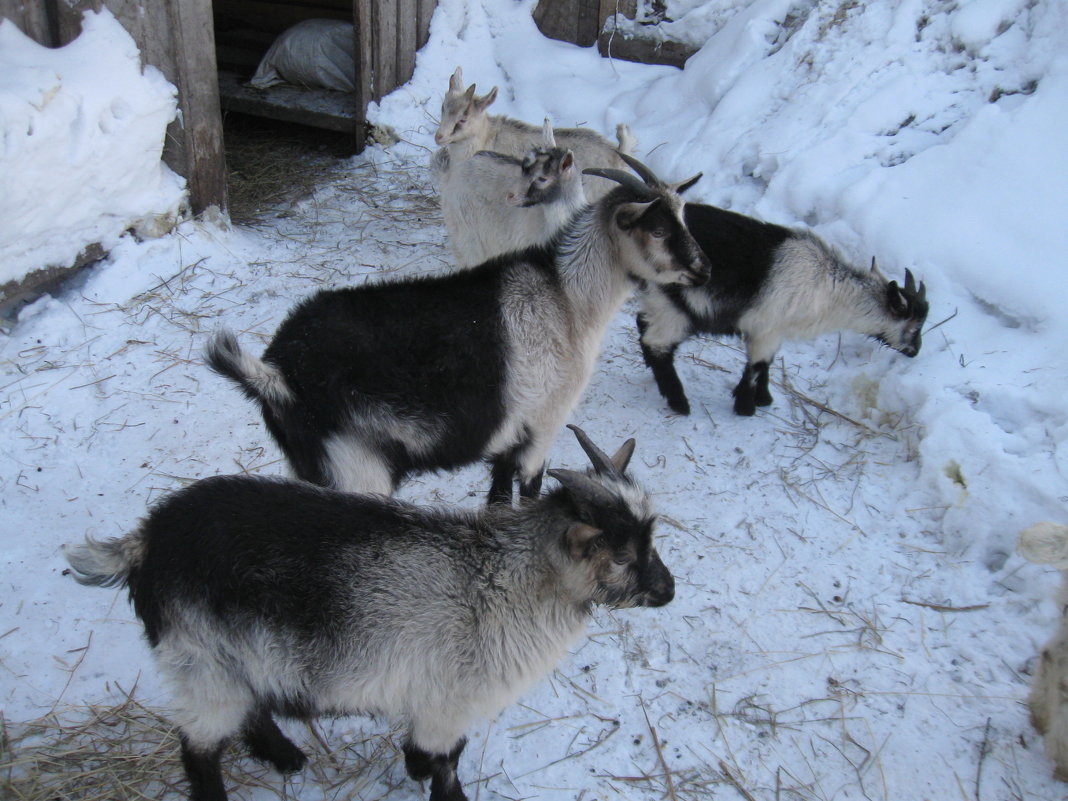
(264, 596)
(466, 128)
(494, 203)
(770, 284)
(1047, 543)
(363, 386)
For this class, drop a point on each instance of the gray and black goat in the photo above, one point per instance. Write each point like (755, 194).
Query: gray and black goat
(264, 596)
(770, 284)
(363, 386)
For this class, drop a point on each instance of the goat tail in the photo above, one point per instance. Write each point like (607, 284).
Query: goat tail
(1045, 543)
(259, 380)
(627, 141)
(104, 563)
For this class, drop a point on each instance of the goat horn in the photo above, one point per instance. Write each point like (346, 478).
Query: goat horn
(646, 174)
(547, 135)
(910, 282)
(624, 178)
(584, 487)
(601, 461)
(922, 294)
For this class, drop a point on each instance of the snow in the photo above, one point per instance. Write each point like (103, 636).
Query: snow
(851, 619)
(81, 133)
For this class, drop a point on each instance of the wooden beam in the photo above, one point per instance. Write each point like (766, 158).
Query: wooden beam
(363, 12)
(201, 152)
(407, 35)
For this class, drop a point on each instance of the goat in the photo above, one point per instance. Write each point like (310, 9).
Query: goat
(363, 386)
(770, 284)
(466, 128)
(263, 596)
(1047, 543)
(494, 203)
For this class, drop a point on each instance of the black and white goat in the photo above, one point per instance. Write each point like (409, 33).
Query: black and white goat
(770, 284)
(1047, 543)
(363, 386)
(264, 596)
(465, 129)
(494, 203)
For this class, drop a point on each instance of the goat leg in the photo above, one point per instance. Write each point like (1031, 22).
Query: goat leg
(267, 744)
(662, 363)
(203, 771)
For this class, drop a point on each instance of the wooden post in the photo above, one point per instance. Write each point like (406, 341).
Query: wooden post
(199, 154)
(363, 12)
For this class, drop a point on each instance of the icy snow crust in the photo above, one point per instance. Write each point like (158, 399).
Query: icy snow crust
(851, 620)
(81, 133)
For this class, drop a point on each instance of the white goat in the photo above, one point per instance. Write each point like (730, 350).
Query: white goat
(1047, 544)
(494, 203)
(466, 128)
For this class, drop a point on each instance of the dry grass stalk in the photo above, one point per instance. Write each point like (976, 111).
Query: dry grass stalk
(129, 752)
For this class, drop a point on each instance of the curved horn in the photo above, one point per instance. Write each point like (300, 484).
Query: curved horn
(922, 294)
(583, 487)
(624, 178)
(646, 174)
(602, 463)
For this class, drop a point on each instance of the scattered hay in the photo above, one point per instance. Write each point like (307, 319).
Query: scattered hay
(129, 752)
(270, 164)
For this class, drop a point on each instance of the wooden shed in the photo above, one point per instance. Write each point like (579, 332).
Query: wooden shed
(208, 48)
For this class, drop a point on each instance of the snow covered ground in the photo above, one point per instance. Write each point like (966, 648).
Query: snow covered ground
(851, 620)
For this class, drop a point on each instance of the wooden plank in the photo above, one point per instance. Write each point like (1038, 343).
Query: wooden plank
(385, 38)
(363, 14)
(32, 17)
(645, 51)
(276, 16)
(407, 34)
(333, 111)
(198, 96)
(426, 12)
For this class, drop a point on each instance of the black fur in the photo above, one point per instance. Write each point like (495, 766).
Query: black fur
(427, 349)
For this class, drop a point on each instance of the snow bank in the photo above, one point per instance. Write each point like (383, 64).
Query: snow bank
(81, 134)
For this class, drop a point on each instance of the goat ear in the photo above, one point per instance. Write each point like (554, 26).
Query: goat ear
(486, 100)
(567, 162)
(682, 186)
(621, 458)
(628, 214)
(456, 82)
(579, 536)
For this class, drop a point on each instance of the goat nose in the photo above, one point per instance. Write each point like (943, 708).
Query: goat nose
(661, 585)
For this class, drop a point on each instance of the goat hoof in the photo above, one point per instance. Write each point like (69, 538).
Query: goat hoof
(283, 759)
(679, 406)
(745, 409)
(763, 400)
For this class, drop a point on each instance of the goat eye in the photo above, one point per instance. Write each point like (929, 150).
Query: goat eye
(659, 233)
(621, 559)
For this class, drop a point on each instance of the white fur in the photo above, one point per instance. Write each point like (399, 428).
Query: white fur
(483, 131)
